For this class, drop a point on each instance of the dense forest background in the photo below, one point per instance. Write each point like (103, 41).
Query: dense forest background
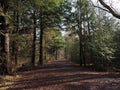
(33, 32)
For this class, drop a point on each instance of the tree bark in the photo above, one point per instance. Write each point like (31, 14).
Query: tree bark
(15, 45)
(81, 46)
(5, 55)
(7, 52)
(34, 41)
(14, 52)
(4, 51)
(56, 53)
(41, 39)
(80, 35)
(113, 12)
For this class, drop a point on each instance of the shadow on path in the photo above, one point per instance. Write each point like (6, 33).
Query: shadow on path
(62, 75)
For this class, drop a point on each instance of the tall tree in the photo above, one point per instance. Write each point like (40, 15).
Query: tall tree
(48, 18)
(34, 39)
(4, 36)
(41, 38)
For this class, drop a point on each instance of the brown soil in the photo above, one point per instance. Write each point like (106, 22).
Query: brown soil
(63, 75)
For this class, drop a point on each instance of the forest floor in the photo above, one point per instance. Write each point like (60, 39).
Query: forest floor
(62, 75)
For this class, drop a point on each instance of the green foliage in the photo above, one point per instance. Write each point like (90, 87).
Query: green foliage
(23, 44)
(116, 39)
(72, 47)
(88, 29)
(55, 40)
(96, 31)
(75, 51)
(102, 45)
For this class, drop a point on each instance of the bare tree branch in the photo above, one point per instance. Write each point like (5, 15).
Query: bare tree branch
(113, 12)
(99, 7)
(2, 33)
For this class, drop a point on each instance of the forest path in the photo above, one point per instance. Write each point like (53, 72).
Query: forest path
(64, 75)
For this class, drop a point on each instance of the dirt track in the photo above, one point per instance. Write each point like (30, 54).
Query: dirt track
(62, 75)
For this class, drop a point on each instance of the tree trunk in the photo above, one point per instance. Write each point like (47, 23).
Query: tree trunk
(5, 57)
(80, 34)
(90, 39)
(80, 42)
(56, 53)
(41, 39)
(4, 45)
(65, 53)
(34, 41)
(14, 52)
(15, 45)
(7, 48)
(81, 59)
(84, 56)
